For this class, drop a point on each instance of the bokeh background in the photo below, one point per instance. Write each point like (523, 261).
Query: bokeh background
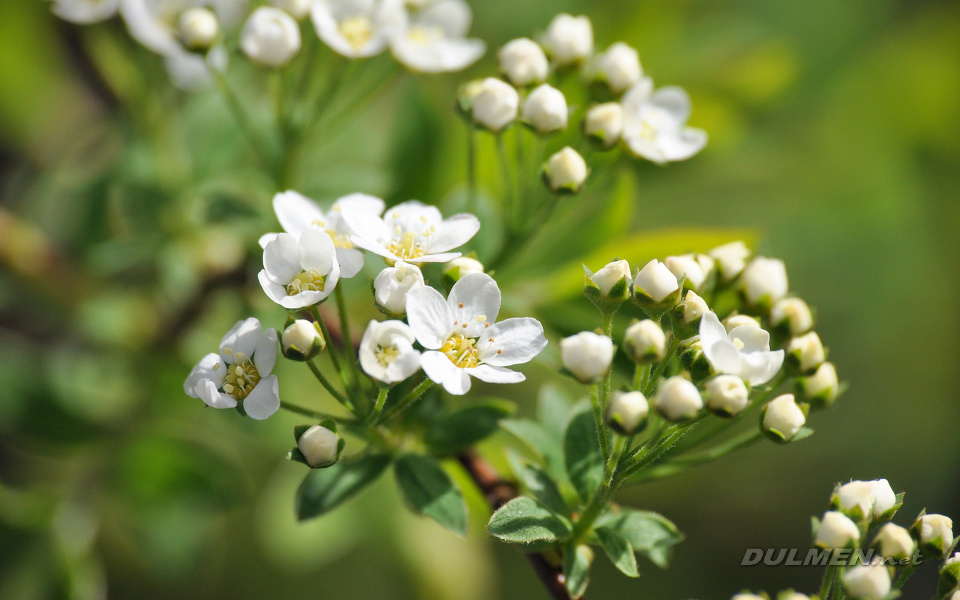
(127, 246)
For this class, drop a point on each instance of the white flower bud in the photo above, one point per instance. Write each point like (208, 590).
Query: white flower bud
(726, 395)
(569, 40)
(730, 258)
(806, 352)
(765, 280)
(319, 446)
(821, 388)
(686, 266)
(956, 595)
(837, 531)
(198, 28)
(953, 560)
(523, 62)
(936, 531)
(610, 275)
(656, 282)
(619, 67)
(692, 307)
(782, 415)
(604, 123)
(495, 105)
(302, 340)
(627, 411)
(546, 109)
(894, 542)
(678, 399)
(867, 582)
(855, 499)
(458, 267)
(270, 37)
(747, 597)
(884, 497)
(734, 321)
(298, 9)
(792, 315)
(392, 284)
(793, 596)
(587, 356)
(645, 342)
(565, 172)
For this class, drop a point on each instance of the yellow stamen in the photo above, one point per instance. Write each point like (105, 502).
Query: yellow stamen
(462, 351)
(306, 281)
(241, 379)
(357, 30)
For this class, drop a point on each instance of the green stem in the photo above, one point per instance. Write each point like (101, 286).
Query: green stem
(508, 199)
(306, 412)
(662, 365)
(407, 400)
(471, 167)
(329, 387)
(682, 463)
(904, 576)
(242, 118)
(603, 494)
(602, 431)
(826, 582)
(378, 407)
(348, 347)
(332, 351)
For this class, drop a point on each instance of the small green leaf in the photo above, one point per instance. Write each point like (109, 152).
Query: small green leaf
(462, 429)
(430, 492)
(544, 489)
(576, 569)
(536, 439)
(648, 533)
(553, 408)
(323, 490)
(524, 520)
(619, 551)
(582, 453)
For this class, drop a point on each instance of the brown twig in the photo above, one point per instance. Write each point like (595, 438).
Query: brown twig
(497, 493)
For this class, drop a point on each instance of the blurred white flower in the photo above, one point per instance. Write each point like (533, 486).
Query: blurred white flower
(654, 123)
(387, 353)
(298, 9)
(568, 39)
(270, 37)
(462, 338)
(355, 28)
(587, 355)
(744, 352)
(730, 259)
(432, 39)
(496, 104)
(240, 373)
(299, 270)
(765, 280)
(618, 66)
(867, 582)
(392, 284)
(545, 109)
(523, 62)
(784, 416)
(85, 12)
(566, 171)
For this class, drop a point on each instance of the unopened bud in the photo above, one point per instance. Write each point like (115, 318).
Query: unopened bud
(587, 356)
(734, 321)
(523, 62)
(319, 446)
(726, 395)
(805, 353)
(821, 389)
(678, 399)
(792, 316)
(569, 40)
(198, 28)
(495, 105)
(730, 258)
(691, 308)
(783, 418)
(627, 411)
(655, 288)
(546, 110)
(867, 582)
(298, 9)
(603, 124)
(608, 287)
(644, 342)
(565, 172)
(458, 267)
(302, 340)
(765, 281)
(270, 37)
(837, 531)
(687, 267)
(894, 542)
(934, 533)
(618, 67)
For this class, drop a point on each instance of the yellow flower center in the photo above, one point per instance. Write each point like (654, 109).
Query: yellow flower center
(650, 124)
(738, 343)
(356, 30)
(407, 245)
(386, 355)
(422, 36)
(241, 379)
(462, 351)
(306, 281)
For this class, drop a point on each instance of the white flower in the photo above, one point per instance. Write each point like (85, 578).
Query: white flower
(302, 340)
(566, 171)
(626, 411)
(270, 37)
(734, 321)
(655, 281)
(618, 67)
(869, 582)
(654, 123)
(686, 266)
(387, 353)
(782, 415)
(730, 258)
(568, 40)
(462, 338)
(936, 530)
(806, 352)
(298, 213)
(432, 39)
(198, 28)
(240, 373)
(855, 499)
(822, 387)
(744, 352)
(610, 275)
(523, 62)
(496, 104)
(458, 267)
(587, 355)
(884, 497)
(645, 342)
(85, 12)
(604, 123)
(392, 284)
(678, 399)
(411, 231)
(894, 542)
(726, 395)
(792, 314)
(355, 28)
(298, 9)
(837, 531)
(693, 306)
(545, 109)
(299, 270)
(319, 446)
(765, 280)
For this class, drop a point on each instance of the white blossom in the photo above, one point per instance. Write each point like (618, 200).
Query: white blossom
(837, 531)
(726, 395)
(744, 352)
(270, 37)
(765, 280)
(806, 352)
(884, 497)
(604, 123)
(298, 9)
(355, 28)
(678, 399)
(412, 232)
(587, 355)
(822, 387)
(297, 213)
(392, 284)
(523, 62)
(655, 123)
(793, 314)
(299, 270)
(867, 582)
(568, 39)
(734, 321)
(85, 12)
(894, 542)
(387, 353)
(936, 530)
(566, 171)
(463, 339)
(545, 109)
(496, 104)
(855, 499)
(610, 275)
(319, 446)
(432, 39)
(618, 67)
(626, 411)
(302, 340)
(730, 258)
(686, 266)
(784, 416)
(693, 307)
(656, 281)
(241, 373)
(645, 342)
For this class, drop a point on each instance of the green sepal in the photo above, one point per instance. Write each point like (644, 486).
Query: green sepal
(892, 511)
(430, 492)
(618, 550)
(949, 577)
(694, 361)
(610, 303)
(576, 569)
(526, 521)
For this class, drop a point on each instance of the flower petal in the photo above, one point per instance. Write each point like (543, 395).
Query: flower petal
(711, 329)
(754, 339)
(440, 56)
(430, 316)
(264, 400)
(265, 356)
(365, 224)
(360, 202)
(210, 367)
(317, 252)
(454, 232)
(272, 289)
(512, 342)
(475, 302)
(281, 258)
(683, 145)
(674, 101)
(305, 299)
(297, 213)
(761, 367)
(266, 239)
(351, 262)
(404, 366)
(724, 357)
(211, 395)
(440, 370)
(453, 16)
(492, 374)
(240, 342)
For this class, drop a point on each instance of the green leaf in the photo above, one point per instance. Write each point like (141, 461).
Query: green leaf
(553, 408)
(648, 533)
(576, 569)
(523, 520)
(544, 489)
(582, 453)
(457, 432)
(430, 492)
(619, 551)
(537, 440)
(323, 490)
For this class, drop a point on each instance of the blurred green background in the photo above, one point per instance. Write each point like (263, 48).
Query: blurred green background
(127, 247)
